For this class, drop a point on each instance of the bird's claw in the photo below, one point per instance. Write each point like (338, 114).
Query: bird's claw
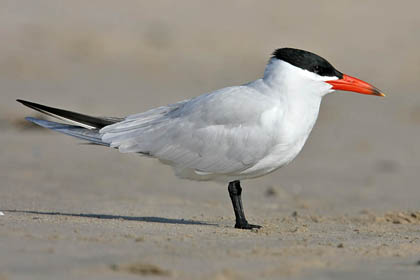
(246, 226)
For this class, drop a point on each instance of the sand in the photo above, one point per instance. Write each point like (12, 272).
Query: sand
(346, 208)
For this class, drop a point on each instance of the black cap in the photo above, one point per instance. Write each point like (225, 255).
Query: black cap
(307, 61)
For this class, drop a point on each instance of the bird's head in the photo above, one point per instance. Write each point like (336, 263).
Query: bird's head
(303, 71)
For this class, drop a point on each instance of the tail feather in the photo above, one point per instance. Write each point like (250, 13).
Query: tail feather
(91, 135)
(82, 120)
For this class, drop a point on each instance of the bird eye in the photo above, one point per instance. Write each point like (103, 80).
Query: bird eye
(316, 69)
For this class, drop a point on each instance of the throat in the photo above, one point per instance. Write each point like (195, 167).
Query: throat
(300, 117)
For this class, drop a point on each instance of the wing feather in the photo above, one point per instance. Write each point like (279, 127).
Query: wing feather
(221, 132)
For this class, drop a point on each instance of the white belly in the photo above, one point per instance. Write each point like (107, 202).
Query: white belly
(292, 135)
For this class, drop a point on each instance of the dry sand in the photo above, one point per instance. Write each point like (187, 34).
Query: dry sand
(346, 208)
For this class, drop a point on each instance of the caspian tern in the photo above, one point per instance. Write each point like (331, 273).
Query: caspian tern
(227, 135)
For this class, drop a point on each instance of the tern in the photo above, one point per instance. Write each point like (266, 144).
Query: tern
(228, 135)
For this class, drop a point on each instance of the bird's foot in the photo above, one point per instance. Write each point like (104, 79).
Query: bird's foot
(245, 225)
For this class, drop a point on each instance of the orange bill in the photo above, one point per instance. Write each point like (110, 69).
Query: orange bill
(349, 83)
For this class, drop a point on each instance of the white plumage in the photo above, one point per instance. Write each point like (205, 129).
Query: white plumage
(232, 133)
(227, 135)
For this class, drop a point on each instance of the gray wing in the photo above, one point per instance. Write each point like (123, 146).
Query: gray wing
(221, 132)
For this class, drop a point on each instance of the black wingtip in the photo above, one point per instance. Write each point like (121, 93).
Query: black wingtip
(22, 101)
(96, 122)
(27, 103)
(35, 106)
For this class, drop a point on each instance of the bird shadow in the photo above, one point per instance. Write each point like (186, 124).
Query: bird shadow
(114, 217)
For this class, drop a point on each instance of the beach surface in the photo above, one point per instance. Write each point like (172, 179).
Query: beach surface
(346, 208)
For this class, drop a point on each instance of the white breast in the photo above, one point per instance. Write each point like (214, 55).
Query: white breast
(292, 131)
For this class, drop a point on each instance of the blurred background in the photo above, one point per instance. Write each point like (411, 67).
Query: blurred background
(115, 58)
(118, 58)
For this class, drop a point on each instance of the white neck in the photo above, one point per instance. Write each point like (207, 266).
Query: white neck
(300, 92)
(286, 79)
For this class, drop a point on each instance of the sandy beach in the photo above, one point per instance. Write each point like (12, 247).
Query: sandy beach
(346, 208)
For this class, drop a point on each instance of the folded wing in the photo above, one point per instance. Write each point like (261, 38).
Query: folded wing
(221, 132)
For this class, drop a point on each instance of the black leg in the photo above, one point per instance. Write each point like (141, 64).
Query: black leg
(235, 191)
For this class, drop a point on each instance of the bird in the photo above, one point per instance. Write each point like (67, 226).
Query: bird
(228, 135)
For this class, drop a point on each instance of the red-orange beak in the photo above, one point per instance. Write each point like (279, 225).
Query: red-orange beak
(349, 83)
